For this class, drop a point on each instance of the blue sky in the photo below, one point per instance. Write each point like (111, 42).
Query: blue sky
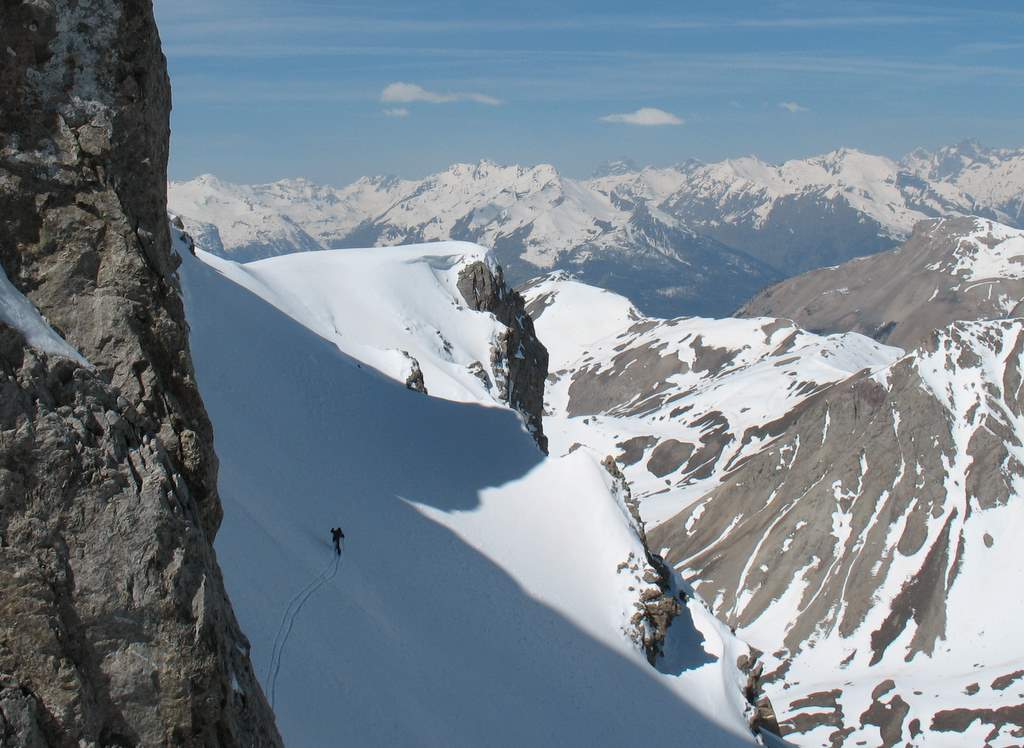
(265, 89)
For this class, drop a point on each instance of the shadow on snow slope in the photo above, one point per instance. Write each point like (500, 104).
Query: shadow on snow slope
(420, 639)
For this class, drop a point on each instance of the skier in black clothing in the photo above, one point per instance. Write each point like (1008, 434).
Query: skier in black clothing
(337, 536)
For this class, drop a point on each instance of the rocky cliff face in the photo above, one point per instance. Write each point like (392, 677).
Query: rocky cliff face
(518, 351)
(116, 626)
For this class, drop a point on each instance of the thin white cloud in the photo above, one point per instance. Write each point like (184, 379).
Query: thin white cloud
(408, 93)
(194, 17)
(793, 107)
(645, 116)
(987, 47)
(399, 111)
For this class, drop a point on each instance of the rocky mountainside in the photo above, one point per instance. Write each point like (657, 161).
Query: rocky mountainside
(950, 269)
(690, 239)
(678, 402)
(848, 508)
(873, 549)
(116, 629)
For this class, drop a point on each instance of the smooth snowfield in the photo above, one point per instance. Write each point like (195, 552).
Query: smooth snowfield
(426, 635)
(384, 307)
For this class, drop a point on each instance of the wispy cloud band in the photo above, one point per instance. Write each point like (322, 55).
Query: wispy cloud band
(410, 93)
(645, 117)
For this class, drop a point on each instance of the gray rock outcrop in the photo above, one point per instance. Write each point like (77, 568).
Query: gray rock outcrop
(115, 628)
(658, 602)
(661, 600)
(518, 359)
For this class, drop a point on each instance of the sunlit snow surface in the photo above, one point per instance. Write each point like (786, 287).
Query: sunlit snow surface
(477, 601)
(992, 250)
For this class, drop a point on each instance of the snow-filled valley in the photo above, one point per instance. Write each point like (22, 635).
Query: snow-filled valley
(486, 591)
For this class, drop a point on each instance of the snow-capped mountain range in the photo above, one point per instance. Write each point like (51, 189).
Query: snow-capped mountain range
(690, 239)
(533, 218)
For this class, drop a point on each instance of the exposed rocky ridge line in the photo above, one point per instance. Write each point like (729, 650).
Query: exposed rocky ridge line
(860, 537)
(517, 353)
(950, 269)
(658, 602)
(117, 629)
(662, 597)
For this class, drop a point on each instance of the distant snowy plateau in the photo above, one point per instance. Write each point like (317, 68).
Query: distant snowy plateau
(689, 239)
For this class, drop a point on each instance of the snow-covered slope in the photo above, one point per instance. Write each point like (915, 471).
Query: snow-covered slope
(677, 402)
(950, 269)
(340, 295)
(487, 594)
(874, 549)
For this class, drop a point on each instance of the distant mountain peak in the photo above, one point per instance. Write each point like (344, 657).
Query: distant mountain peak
(615, 168)
(209, 179)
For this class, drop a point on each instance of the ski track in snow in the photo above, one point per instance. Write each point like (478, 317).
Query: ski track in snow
(288, 621)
